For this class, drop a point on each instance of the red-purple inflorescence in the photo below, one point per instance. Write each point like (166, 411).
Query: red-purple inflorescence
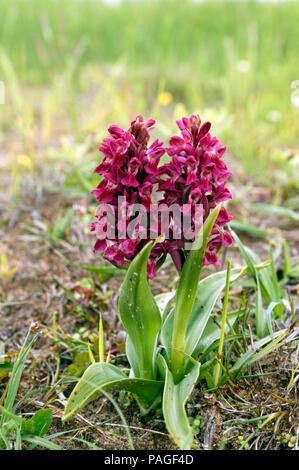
(195, 175)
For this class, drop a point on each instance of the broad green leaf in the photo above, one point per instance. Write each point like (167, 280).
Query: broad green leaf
(207, 294)
(140, 314)
(174, 400)
(160, 366)
(165, 302)
(132, 358)
(109, 378)
(39, 424)
(186, 292)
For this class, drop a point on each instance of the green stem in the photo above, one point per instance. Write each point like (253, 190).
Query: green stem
(222, 333)
(270, 417)
(186, 293)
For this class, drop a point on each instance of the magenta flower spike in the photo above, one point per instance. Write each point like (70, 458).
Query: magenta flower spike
(194, 176)
(130, 170)
(197, 175)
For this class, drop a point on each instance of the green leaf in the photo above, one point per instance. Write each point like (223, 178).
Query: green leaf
(269, 317)
(106, 270)
(213, 346)
(287, 265)
(11, 416)
(6, 366)
(16, 374)
(294, 272)
(207, 294)
(244, 253)
(174, 399)
(211, 332)
(140, 314)
(274, 278)
(186, 291)
(165, 302)
(39, 424)
(264, 276)
(266, 284)
(276, 210)
(266, 345)
(41, 442)
(132, 358)
(11, 304)
(62, 225)
(252, 258)
(250, 230)
(260, 317)
(109, 378)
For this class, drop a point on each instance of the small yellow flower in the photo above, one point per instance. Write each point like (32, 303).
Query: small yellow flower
(164, 98)
(25, 161)
(5, 271)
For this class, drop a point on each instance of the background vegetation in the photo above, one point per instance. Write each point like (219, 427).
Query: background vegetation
(69, 69)
(232, 61)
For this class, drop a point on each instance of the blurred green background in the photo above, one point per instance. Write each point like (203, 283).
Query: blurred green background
(72, 67)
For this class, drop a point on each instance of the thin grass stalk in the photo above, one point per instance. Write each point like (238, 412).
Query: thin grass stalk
(224, 316)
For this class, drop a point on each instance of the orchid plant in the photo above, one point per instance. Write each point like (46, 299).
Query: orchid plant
(168, 333)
